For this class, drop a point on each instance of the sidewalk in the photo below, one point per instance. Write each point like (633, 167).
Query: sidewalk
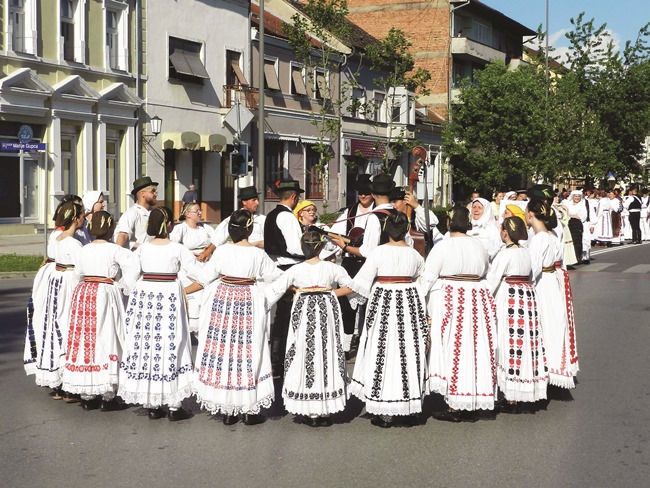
(30, 244)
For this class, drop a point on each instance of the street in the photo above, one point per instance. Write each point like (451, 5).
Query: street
(596, 435)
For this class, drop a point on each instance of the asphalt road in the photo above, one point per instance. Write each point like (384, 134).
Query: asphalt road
(596, 435)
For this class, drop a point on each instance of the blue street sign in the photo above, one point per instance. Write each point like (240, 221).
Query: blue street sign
(17, 146)
(25, 134)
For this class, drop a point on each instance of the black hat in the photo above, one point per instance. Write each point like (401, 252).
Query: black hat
(397, 193)
(293, 185)
(382, 184)
(543, 192)
(363, 184)
(248, 192)
(141, 183)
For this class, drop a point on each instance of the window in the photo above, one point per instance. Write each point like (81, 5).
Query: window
(273, 167)
(116, 27)
(72, 32)
(379, 107)
(112, 176)
(271, 81)
(68, 164)
(22, 26)
(234, 74)
(313, 175)
(321, 84)
(357, 100)
(185, 61)
(298, 80)
(481, 33)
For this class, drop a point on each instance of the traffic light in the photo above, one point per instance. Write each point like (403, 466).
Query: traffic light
(239, 160)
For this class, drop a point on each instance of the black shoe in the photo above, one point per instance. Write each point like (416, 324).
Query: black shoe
(253, 419)
(90, 404)
(310, 421)
(409, 420)
(179, 414)
(454, 416)
(111, 405)
(325, 421)
(156, 413)
(230, 419)
(507, 407)
(383, 421)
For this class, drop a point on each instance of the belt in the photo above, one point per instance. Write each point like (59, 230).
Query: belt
(159, 276)
(635, 211)
(63, 267)
(232, 280)
(315, 289)
(461, 277)
(517, 279)
(394, 279)
(557, 264)
(98, 279)
(548, 269)
(46, 261)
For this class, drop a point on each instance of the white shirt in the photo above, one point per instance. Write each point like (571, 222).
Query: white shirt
(221, 235)
(133, 223)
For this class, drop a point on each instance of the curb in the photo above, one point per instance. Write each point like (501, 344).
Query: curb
(14, 275)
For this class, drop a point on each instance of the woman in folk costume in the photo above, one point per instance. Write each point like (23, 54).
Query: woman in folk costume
(93, 201)
(38, 298)
(57, 307)
(390, 370)
(521, 363)
(576, 209)
(156, 365)
(565, 236)
(462, 364)
(196, 236)
(553, 296)
(233, 364)
(602, 230)
(96, 333)
(484, 226)
(315, 375)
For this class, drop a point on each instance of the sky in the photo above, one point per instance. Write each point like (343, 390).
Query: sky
(624, 18)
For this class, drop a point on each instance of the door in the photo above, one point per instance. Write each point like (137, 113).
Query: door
(10, 187)
(32, 199)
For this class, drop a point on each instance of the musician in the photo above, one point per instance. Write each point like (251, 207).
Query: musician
(401, 199)
(374, 235)
(249, 198)
(282, 235)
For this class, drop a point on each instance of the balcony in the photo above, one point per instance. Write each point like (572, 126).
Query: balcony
(465, 48)
(247, 96)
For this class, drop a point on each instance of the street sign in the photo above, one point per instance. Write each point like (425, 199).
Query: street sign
(20, 146)
(25, 134)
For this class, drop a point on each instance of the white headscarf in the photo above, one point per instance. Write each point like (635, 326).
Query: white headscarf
(487, 217)
(89, 200)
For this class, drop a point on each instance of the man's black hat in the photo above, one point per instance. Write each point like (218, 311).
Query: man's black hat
(382, 184)
(141, 183)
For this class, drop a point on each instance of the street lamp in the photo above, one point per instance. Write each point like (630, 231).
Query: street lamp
(155, 124)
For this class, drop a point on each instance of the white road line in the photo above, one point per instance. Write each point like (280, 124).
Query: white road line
(617, 248)
(639, 268)
(595, 267)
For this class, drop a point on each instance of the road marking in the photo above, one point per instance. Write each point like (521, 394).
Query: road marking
(617, 248)
(597, 266)
(639, 268)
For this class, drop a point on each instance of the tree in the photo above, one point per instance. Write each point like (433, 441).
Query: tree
(394, 64)
(317, 36)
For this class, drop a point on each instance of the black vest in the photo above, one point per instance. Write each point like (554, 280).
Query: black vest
(274, 242)
(635, 204)
(352, 212)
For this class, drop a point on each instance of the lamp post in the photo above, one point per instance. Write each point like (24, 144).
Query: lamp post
(155, 124)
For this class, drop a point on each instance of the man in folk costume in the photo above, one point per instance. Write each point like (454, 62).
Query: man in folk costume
(249, 198)
(633, 205)
(282, 235)
(131, 230)
(618, 224)
(354, 217)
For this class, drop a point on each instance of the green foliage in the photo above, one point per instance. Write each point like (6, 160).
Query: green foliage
(17, 262)
(519, 124)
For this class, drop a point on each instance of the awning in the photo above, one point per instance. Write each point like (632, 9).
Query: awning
(271, 77)
(238, 73)
(367, 149)
(188, 63)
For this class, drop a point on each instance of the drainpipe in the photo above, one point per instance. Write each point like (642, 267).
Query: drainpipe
(138, 72)
(261, 176)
